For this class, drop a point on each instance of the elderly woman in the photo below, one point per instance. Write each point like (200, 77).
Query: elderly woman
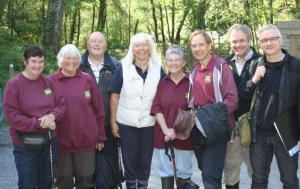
(133, 88)
(171, 95)
(81, 131)
(31, 107)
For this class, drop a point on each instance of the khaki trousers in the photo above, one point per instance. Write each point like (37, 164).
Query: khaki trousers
(235, 156)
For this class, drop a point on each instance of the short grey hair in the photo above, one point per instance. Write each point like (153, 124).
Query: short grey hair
(243, 28)
(175, 49)
(269, 27)
(68, 49)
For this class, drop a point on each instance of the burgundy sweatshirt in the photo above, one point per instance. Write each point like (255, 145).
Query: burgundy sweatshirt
(25, 101)
(83, 124)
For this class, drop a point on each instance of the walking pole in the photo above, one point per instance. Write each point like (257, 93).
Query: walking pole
(120, 164)
(51, 159)
(169, 145)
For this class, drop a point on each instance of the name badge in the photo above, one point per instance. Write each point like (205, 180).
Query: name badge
(87, 94)
(48, 91)
(207, 79)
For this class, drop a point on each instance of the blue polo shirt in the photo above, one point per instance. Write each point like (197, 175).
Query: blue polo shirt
(116, 82)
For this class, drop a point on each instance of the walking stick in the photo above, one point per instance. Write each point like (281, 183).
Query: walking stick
(51, 159)
(120, 164)
(169, 145)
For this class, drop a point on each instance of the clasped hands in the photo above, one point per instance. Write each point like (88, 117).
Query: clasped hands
(48, 121)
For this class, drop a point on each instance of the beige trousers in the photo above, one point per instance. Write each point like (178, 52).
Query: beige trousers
(235, 156)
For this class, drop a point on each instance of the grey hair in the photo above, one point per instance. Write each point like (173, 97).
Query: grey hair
(269, 27)
(243, 28)
(68, 49)
(175, 49)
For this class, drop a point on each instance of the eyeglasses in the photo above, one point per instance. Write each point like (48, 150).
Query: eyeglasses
(271, 40)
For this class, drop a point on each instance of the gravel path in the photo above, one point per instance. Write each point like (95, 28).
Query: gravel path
(8, 174)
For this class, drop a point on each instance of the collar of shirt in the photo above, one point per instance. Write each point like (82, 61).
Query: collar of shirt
(186, 76)
(209, 66)
(95, 66)
(248, 56)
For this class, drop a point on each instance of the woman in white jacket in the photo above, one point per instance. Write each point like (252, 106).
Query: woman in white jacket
(133, 88)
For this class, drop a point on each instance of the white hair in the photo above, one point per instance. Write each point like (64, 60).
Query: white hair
(138, 38)
(68, 49)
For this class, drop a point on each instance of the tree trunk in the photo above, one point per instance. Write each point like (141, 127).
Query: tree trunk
(185, 13)
(65, 28)
(78, 26)
(53, 25)
(154, 20)
(93, 19)
(2, 4)
(271, 11)
(168, 24)
(129, 20)
(102, 15)
(173, 22)
(73, 26)
(11, 19)
(136, 26)
(162, 30)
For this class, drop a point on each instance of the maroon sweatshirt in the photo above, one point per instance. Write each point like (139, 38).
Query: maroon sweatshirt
(83, 124)
(25, 101)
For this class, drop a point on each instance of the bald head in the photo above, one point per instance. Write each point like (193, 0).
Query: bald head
(96, 44)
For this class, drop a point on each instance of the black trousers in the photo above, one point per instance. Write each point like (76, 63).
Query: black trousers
(261, 154)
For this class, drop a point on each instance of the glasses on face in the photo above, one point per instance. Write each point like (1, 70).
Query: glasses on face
(266, 40)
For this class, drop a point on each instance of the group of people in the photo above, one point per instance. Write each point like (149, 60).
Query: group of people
(93, 103)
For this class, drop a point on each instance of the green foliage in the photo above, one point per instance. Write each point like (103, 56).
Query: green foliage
(10, 53)
(24, 22)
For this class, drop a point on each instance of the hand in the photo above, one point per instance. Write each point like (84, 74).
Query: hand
(99, 146)
(48, 121)
(169, 134)
(259, 73)
(115, 130)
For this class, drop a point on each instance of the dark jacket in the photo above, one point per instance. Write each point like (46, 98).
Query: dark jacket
(108, 174)
(109, 67)
(240, 81)
(288, 89)
(214, 121)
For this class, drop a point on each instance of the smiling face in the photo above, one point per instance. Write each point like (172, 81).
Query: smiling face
(200, 48)
(70, 64)
(239, 43)
(141, 51)
(270, 42)
(96, 44)
(174, 63)
(34, 66)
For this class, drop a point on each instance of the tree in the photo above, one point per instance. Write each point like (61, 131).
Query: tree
(102, 15)
(53, 25)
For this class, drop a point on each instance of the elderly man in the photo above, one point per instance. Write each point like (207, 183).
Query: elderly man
(277, 84)
(243, 61)
(100, 65)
